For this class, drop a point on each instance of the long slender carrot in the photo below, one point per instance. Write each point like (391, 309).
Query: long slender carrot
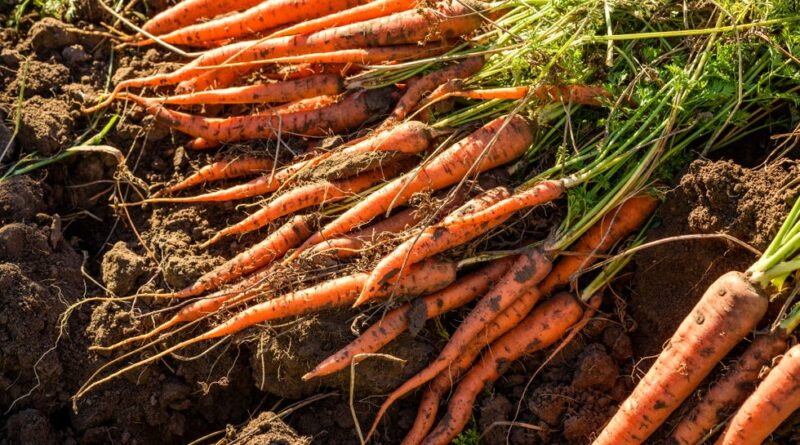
(522, 277)
(350, 112)
(371, 10)
(730, 308)
(446, 169)
(574, 94)
(448, 20)
(226, 169)
(310, 195)
(546, 324)
(301, 70)
(396, 321)
(728, 393)
(773, 401)
(189, 11)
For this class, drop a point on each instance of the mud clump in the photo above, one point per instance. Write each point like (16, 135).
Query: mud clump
(46, 125)
(266, 429)
(122, 268)
(20, 199)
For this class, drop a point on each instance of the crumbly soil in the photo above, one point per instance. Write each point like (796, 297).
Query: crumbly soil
(63, 238)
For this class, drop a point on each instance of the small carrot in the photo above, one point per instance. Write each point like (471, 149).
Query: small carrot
(187, 12)
(314, 194)
(216, 171)
(773, 401)
(448, 168)
(371, 10)
(201, 144)
(546, 324)
(728, 393)
(731, 305)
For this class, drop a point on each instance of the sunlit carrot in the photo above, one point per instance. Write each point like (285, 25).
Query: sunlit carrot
(371, 10)
(226, 169)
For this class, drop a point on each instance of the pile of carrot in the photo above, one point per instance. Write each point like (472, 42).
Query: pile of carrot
(444, 139)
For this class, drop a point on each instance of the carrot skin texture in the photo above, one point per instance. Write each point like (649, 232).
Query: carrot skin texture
(292, 90)
(730, 391)
(227, 169)
(189, 11)
(730, 308)
(371, 10)
(773, 401)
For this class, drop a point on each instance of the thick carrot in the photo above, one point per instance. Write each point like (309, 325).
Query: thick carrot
(371, 10)
(310, 195)
(397, 321)
(216, 171)
(446, 169)
(730, 308)
(349, 112)
(292, 90)
(729, 392)
(527, 271)
(773, 401)
(546, 324)
(431, 241)
(448, 20)
(189, 11)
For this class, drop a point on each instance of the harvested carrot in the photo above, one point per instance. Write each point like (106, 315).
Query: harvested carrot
(731, 305)
(201, 144)
(310, 195)
(574, 94)
(371, 10)
(448, 168)
(396, 321)
(728, 393)
(546, 324)
(216, 171)
(189, 11)
(773, 401)
(301, 70)
(350, 112)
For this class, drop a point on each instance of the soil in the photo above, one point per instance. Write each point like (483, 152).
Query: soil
(62, 239)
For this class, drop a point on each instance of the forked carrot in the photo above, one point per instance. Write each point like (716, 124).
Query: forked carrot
(314, 194)
(371, 10)
(187, 12)
(471, 154)
(773, 401)
(218, 170)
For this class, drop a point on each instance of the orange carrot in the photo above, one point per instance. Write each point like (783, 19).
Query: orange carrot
(221, 170)
(574, 94)
(350, 112)
(728, 393)
(189, 11)
(306, 88)
(731, 305)
(314, 194)
(396, 321)
(527, 271)
(371, 10)
(448, 168)
(546, 324)
(773, 401)
(301, 70)
(202, 144)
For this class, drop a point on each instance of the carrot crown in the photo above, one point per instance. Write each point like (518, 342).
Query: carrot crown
(782, 257)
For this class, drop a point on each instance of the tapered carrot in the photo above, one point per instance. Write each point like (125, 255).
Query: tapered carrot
(546, 324)
(574, 94)
(522, 277)
(730, 308)
(396, 321)
(729, 392)
(473, 153)
(314, 194)
(301, 70)
(350, 112)
(187, 12)
(263, 16)
(448, 20)
(773, 401)
(428, 277)
(218, 170)
(371, 10)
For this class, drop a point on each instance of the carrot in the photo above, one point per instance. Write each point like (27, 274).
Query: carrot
(301, 70)
(350, 112)
(201, 144)
(728, 393)
(371, 10)
(431, 241)
(217, 79)
(449, 19)
(773, 401)
(189, 11)
(574, 94)
(417, 90)
(314, 194)
(226, 169)
(446, 169)
(521, 278)
(306, 88)
(265, 15)
(396, 321)
(546, 324)
(731, 305)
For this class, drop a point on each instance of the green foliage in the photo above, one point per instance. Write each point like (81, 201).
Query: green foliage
(470, 436)
(65, 10)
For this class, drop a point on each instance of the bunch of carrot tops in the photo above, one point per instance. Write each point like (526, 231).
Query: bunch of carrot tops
(454, 118)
